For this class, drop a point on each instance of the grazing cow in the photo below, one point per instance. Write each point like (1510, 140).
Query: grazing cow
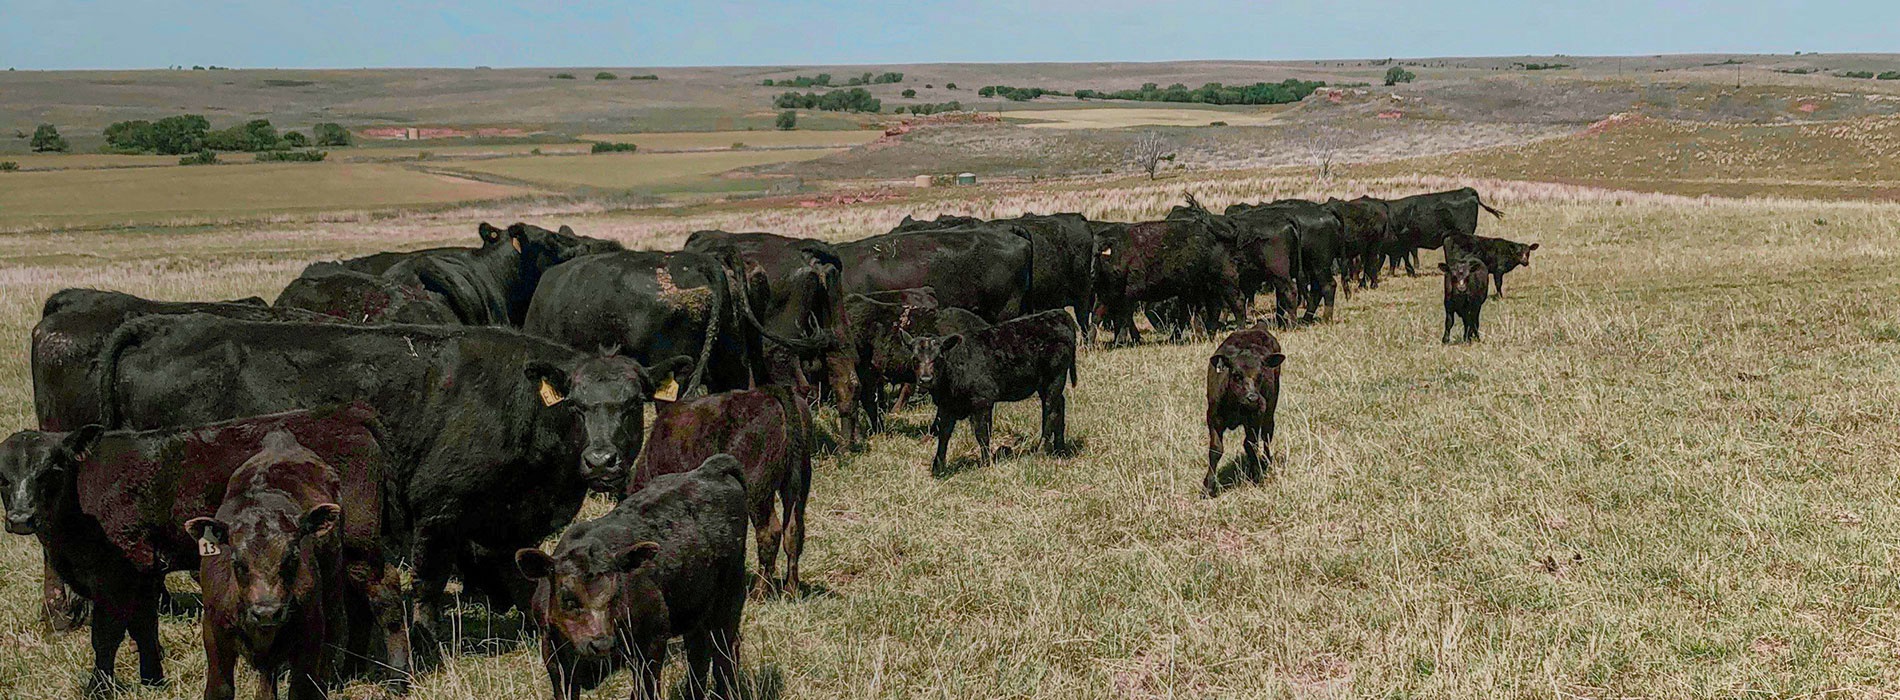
(1243, 391)
(968, 374)
(1154, 261)
(1320, 240)
(1368, 225)
(495, 436)
(880, 323)
(1499, 255)
(109, 509)
(986, 269)
(276, 576)
(668, 561)
(655, 307)
(333, 290)
(1064, 251)
(796, 287)
(769, 430)
(1270, 258)
(73, 326)
(1466, 286)
(1424, 220)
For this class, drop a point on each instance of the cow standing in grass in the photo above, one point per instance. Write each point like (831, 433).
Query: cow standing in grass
(969, 373)
(1243, 391)
(1467, 284)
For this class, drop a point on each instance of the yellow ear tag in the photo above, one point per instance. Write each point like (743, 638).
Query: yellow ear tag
(549, 396)
(669, 391)
(206, 548)
(1107, 252)
(516, 242)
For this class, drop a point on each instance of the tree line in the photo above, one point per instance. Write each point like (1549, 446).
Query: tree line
(192, 133)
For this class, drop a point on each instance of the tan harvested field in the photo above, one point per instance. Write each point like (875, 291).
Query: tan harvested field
(705, 140)
(1667, 471)
(663, 173)
(1119, 117)
(96, 198)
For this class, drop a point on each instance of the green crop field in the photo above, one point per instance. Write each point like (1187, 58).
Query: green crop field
(1667, 470)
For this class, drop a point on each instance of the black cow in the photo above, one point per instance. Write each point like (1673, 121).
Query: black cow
(1321, 241)
(491, 285)
(1368, 227)
(668, 561)
(331, 289)
(495, 435)
(1064, 250)
(1149, 262)
(1499, 255)
(1424, 220)
(1466, 286)
(968, 374)
(879, 324)
(986, 269)
(654, 307)
(74, 324)
(109, 509)
(1243, 391)
(796, 288)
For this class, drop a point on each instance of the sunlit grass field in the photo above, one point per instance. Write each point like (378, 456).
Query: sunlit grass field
(647, 172)
(1667, 471)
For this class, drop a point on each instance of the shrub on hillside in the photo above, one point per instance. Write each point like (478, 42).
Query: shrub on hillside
(852, 100)
(169, 136)
(1889, 75)
(606, 147)
(949, 86)
(604, 75)
(1396, 75)
(563, 76)
(296, 139)
(291, 156)
(648, 76)
(331, 134)
(7, 166)
(787, 120)
(47, 138)
(202, 157)
(909, 93)
(1854, 74)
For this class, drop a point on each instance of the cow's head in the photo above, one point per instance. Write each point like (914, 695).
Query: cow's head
(1461, 275)
(1249, 376)
(38, 473)
(931, 353)
(271, 553)
(582, 598)
(608, 394)
(490, 234)
(1524, 254)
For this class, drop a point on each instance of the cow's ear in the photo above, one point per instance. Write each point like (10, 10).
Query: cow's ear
(566, 230)
(1275, 359)
(632, 558)
(550, 382)
(489, 233)
(533, 563)
(1533, 246)
(79, 443)
(950, 341)
(1444, 268)
(209, 532)
(1219, 362)
(664, 379)
(320, 520)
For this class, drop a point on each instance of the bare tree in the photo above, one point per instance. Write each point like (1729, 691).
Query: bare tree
(1148, 153)
(1321, 142)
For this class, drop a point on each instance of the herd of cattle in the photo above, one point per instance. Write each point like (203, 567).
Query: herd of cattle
(451, 408)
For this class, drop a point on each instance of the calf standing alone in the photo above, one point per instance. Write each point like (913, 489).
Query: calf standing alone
(1243, 391)
(1467, 284)
(669, 561)
(274, 575)
(769, 430)
(968, 373)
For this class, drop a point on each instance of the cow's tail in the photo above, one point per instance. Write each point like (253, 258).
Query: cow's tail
(105, 367)
(1494, 212)
(814, 344)
(1297, 256)
(714, 321)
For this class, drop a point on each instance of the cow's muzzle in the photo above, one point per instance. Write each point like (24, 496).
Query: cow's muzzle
(22, 523)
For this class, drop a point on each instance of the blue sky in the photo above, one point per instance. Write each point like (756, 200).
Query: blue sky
(54, 34)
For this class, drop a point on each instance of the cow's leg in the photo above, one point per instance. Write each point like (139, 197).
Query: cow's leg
(385, 615)
(307, 673)
(1054, 417)
(143, 626)
(1471, 324)
(1370, 276)
(267, 682)
(1250, 442)
(1266, 443)
(221, 658)
(903, 396)
(980, 425)
(63, 608)
(1210, 484)
(646, 671)
(433, 557)
(699, 656)
(944, 426)
(1327, 290)
(766, 529)
(1447, 337)
(871, 399)
(1411, 262)
(844, 386)
(793, 502)
(109, 619)
(1499, 277)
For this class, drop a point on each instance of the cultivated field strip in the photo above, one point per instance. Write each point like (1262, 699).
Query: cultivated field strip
(1668, 470)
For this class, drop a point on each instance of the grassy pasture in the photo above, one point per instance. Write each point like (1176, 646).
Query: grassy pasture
(90, 198)
(702, 140)
(1119, 117)
(647, 172)
(1667, 471)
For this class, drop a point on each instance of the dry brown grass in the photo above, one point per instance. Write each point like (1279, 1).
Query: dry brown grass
(1668, 471)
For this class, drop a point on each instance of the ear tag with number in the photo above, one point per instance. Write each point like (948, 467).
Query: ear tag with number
(669, 391)
(206, 548)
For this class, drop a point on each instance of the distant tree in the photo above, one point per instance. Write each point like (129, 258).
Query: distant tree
(950, 86)
(607, 147)
(908, 93)
(296, 139)
(563, 76)
(986, 91)
(767, 82)
(331, 134)
(7, 166)
(1322, 143)
(47, 138)
(202, 157)
(1396, 75)
(604, 75)
(787, 120)
(1148, 153)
